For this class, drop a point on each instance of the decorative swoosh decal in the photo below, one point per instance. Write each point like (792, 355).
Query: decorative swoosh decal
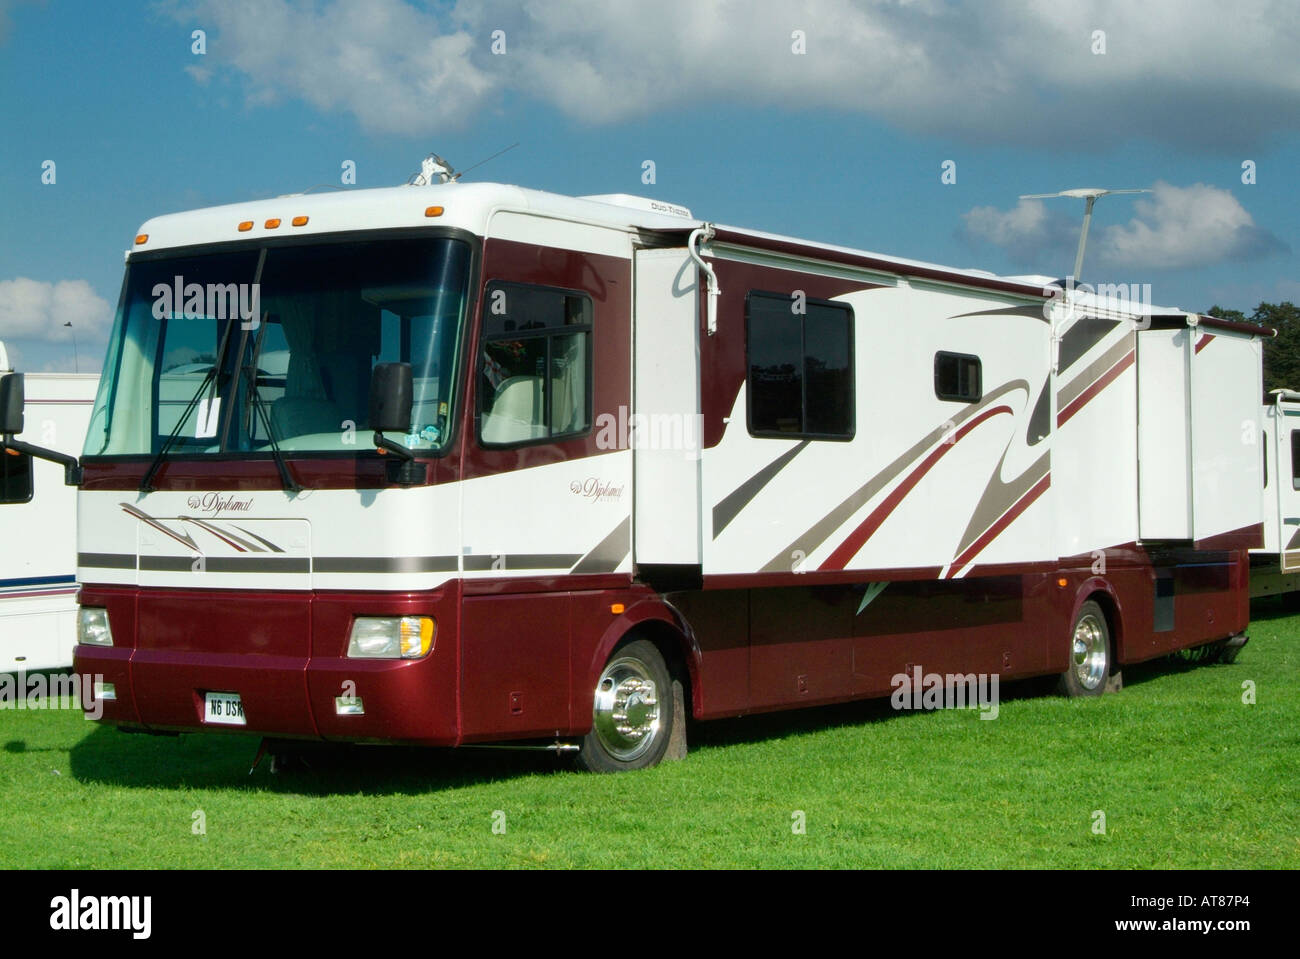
(184, 539)
(826, 527)
(998, 497)
(993, 531)
(1067, 410)
(1067, 394)
(740, 497)
(1031, 311)
(221, 533)
(609, 552)
(849, 548)
(230, 539)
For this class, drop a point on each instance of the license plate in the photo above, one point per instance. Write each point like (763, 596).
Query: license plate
(223, 709)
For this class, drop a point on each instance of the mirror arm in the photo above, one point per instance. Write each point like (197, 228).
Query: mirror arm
(71, 467)
(383, 443)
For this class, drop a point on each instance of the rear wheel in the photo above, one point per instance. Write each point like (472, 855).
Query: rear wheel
(633, 711)
(1090, 654)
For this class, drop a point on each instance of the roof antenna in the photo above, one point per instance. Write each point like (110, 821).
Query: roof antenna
(435, 166)
(481, 162)
(1091, 194)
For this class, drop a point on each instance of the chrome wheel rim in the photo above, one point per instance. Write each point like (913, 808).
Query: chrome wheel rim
(626, 711)
(1089, 652)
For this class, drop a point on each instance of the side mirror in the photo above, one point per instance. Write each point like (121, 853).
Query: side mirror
(11, 424)
(11, 403)
(391, 398)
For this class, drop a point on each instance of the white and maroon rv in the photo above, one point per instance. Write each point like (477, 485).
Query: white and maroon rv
(38, 527)
(470, 463)
(1275, 566)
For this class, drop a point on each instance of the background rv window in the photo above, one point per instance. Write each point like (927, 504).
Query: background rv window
(799, 367)
(535, 365)
(957, 376)
(15, 477)
(1295, 459)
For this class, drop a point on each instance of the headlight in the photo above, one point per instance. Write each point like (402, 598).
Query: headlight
(92, 626)
(391, 637)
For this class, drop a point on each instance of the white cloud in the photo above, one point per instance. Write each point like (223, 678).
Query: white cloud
(1182, 227)
(1020, 70)
(1179, 227)
(1027, 220)
(33, 310)
(394, 67)
(1036, 238)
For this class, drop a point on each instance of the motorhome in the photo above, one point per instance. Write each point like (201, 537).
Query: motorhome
(38, 527)
(1275, 566)
(489, 464)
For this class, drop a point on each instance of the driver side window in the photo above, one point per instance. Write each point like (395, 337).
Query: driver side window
(534, 371)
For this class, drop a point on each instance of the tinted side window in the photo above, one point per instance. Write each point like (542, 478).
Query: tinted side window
(534, 365)
(800, 367)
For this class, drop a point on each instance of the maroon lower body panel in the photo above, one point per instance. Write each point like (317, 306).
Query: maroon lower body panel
(519, 659)
(283, 653)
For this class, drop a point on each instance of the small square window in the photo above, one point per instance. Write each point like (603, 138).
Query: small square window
(957, 377)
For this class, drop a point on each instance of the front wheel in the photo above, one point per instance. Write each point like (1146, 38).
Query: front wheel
(633, 712)
(1090, 654)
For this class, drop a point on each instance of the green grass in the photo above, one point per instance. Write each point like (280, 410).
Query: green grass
(1186, 774)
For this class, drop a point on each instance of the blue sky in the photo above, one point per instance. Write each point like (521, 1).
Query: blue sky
(844, 142)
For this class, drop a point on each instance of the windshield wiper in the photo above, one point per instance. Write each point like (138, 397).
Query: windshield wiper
(146, 484)
(259, 404)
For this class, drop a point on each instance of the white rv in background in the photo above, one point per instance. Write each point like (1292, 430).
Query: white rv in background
(1275, 568)
(38, 527)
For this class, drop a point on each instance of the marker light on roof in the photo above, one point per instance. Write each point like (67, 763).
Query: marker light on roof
(300, 221)
(142, 238)
(433, 211)
(245, 226)
(272, 223)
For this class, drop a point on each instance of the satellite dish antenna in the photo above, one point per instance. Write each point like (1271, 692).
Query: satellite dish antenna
(1091, 194)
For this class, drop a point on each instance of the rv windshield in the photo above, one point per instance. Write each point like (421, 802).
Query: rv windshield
(227, 351)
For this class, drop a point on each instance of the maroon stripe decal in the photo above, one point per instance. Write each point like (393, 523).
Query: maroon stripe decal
(849, 548)
(1006, 519)
(1204, 341)
(1102, 382)
(219, 534)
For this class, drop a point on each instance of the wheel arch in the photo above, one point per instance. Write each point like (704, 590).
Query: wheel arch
(654, 620)
(1104, 595)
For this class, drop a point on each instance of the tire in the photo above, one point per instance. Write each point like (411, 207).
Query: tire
(1091, 655)
(632, 713)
